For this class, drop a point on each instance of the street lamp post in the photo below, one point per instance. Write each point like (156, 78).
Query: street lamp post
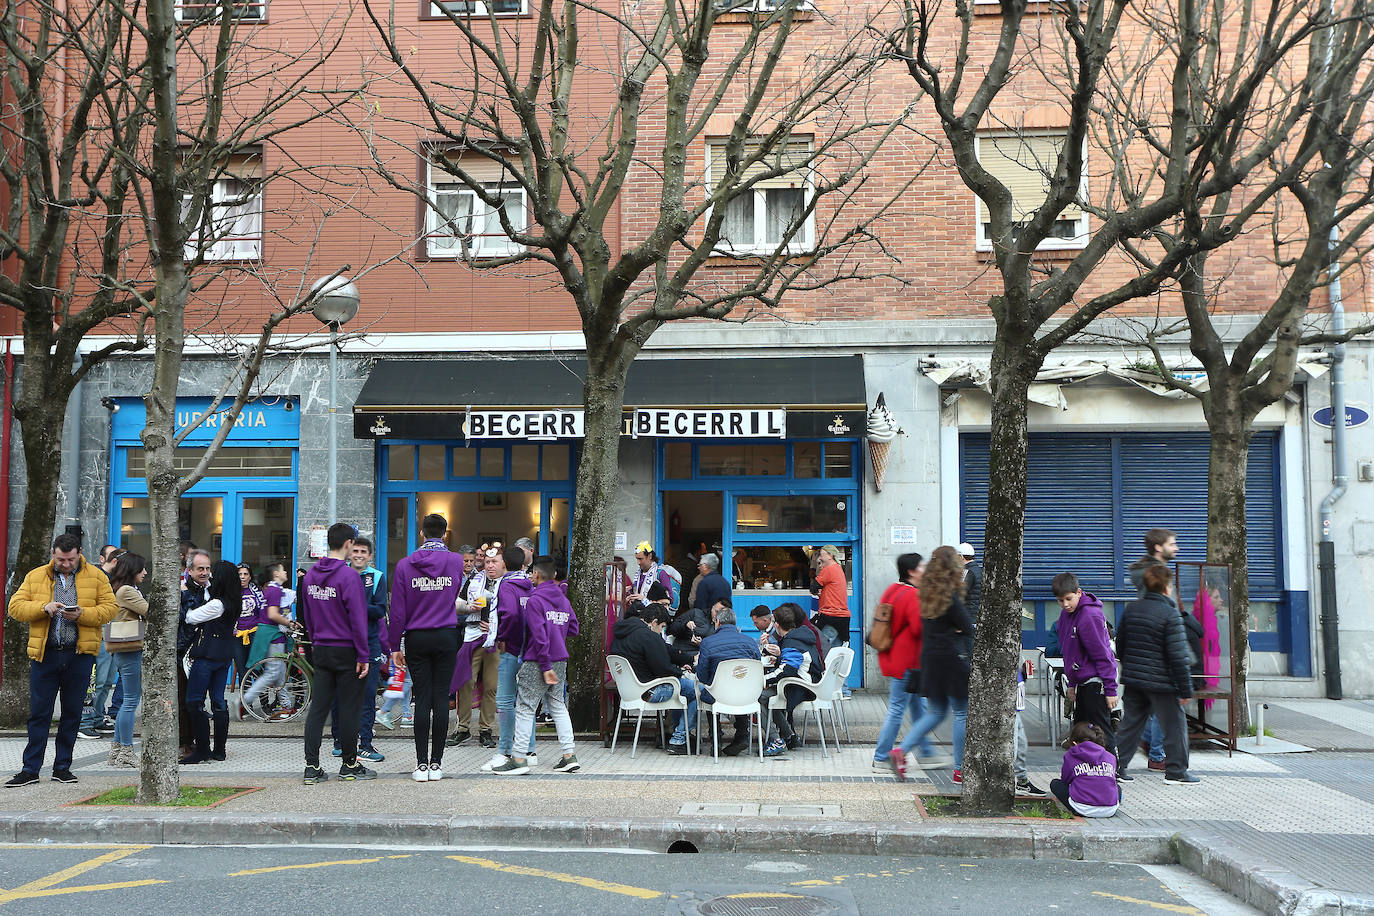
(336, 302)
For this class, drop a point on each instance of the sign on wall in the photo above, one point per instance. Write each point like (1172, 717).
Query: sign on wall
(523, 424)
(271, 418)
(712, 424)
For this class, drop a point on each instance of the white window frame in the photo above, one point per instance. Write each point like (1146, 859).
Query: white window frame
(245, 246)
(1080, 229)
(197, 10)
(762, 6)
(760, 244)
(479, 246)
(479, 10)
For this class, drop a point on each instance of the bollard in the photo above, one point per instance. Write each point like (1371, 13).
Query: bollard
(1259, 724)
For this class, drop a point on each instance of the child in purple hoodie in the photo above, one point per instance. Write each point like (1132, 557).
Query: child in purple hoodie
(1087, 782)
(547, 621)
(1089, 662)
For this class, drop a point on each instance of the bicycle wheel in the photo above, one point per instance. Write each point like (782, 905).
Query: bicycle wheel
(282, 695)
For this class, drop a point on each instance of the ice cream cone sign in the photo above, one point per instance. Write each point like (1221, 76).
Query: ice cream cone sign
(882, 432)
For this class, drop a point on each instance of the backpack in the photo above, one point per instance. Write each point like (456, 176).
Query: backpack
(880, 633)
(673, 585)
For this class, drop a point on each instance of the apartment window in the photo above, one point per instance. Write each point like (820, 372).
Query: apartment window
(457, 216)
(245, 10)
(758, 221)
(479, 8)
(756, 6)
(1024, 163)
(233, 216)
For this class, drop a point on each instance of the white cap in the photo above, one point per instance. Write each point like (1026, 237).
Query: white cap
(966, 549)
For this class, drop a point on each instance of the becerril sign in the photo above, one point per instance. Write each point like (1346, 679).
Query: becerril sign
(716, 424)
(523, 424)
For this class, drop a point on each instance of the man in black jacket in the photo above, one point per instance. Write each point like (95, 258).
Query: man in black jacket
(1155, 675)
(639, 640)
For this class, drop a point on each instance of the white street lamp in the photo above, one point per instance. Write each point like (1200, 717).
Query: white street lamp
(336, 302)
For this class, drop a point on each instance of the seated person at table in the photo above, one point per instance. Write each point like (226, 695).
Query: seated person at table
(639, 640)
(725, 643)
(692, 625)
(798, 657)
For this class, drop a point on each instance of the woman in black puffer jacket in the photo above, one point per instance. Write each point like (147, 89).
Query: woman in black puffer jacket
(1156, 677)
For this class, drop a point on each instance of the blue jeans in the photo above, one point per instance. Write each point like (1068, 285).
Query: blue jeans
(505, 703)
(63, 673)
(1154, 736)
(899, 702)
(104, 682)
(936, 711)
(689, 690)
(130, 667)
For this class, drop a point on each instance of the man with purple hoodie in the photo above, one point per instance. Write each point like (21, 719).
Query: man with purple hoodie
(424, 632)
(336, 606)
(548, 621)
(508, 634)
(1089, 663)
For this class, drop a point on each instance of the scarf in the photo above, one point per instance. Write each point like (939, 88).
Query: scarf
(645, 580)
(434, 544)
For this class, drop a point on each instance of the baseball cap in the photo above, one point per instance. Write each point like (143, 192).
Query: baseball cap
(966, 549)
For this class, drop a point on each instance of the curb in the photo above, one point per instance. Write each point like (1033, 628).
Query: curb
(1238, 872)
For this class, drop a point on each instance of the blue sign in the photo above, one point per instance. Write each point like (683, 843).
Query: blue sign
(275, 418)
(1354, 416)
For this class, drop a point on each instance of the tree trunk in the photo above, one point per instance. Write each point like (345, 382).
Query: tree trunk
(989, 785)
(40, 411)
(1226, 533)
(593, 520)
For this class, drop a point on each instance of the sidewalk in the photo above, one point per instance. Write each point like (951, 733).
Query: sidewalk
(1251, 821)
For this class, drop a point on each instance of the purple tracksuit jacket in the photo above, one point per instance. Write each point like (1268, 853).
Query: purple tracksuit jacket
(549, 621)
(336, 606)
(1087, 648)
(424, 592)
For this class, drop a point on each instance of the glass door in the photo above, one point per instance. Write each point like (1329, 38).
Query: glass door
(555, 538)
(200, 520)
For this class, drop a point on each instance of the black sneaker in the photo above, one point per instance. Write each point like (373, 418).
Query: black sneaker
(1123, 776)
(1187, 779)
(795, 743)
(458, 737)
(486, 740)
(1027, 788)
(677, 750)
(66, 776)
(736, 747)
(89, 733)
(314, 775)
(356, 771)
(22, 778)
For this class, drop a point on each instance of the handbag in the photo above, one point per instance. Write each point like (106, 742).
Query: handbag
(880, 633)
(122, 631)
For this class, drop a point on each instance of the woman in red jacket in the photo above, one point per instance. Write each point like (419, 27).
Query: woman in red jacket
(901, 664)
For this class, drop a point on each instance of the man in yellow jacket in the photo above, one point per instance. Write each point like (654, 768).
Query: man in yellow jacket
(65, 604)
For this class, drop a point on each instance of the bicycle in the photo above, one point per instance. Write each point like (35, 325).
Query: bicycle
(287, 695)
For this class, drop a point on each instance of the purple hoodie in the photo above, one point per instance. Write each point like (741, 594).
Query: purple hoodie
(336, 606)
(424, 592)
(511, 595)
(1090, 773)
(549, 620)
(1086, 646)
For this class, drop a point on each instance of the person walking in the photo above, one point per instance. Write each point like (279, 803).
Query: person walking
(335, 605)
(900, 663)
(973, 580)
(128, 574)
(212, 652)
(1155, 672)
(424, 630)
(1161, 547)
(543, 674)
(946, 657)
(65, 603)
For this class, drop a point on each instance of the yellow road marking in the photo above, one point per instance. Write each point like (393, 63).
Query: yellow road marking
(272, 868)
(1167, 907)
(17, 894)
(643, 893)
(814, 882)
(41, 886)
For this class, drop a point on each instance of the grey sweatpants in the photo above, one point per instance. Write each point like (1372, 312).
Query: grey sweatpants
(529, 690)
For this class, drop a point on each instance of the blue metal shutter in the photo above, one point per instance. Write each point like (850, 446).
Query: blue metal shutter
(1074, 521)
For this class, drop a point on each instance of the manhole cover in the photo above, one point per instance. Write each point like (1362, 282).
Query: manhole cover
(763, 901)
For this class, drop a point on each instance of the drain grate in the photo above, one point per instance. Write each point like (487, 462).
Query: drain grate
(830, 812)
(719, 809)
(764, 901)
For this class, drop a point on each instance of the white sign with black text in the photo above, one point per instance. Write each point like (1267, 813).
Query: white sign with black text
(714, 423)
(523, 424)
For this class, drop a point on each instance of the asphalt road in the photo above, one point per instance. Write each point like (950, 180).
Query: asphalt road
(207, 881)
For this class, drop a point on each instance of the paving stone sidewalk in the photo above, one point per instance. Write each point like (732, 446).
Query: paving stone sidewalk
(1312, 814)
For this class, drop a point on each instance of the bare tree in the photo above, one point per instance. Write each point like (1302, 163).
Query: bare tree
(1189, 118)
(554, 112)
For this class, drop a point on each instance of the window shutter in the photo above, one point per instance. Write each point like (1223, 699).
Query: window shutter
(791, 156)
(1023, 164)
(479, 167)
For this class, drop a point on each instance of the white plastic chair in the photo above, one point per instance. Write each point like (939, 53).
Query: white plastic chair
(735, 692)
(632, 691)
(841, 658)
(822, 700)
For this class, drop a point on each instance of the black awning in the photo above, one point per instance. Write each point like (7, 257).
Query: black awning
(428, 398)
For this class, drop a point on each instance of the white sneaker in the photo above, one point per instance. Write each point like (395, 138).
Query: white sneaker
(436, 772)
(532, 760)
(495, 761)
(421, 773)
(935, 762)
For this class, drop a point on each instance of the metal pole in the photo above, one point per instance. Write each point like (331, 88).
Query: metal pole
(1326, 548)
(333, 427)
